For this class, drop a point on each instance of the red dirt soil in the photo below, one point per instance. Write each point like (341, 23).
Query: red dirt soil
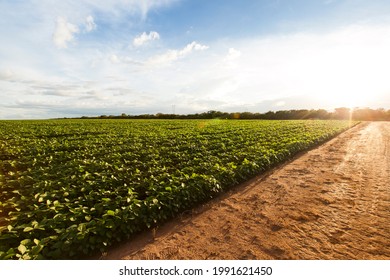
(332, 202)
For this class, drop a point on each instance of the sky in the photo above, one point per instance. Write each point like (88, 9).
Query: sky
(94, 57)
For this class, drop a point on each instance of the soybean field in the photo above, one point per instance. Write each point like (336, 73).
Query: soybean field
(70, 188)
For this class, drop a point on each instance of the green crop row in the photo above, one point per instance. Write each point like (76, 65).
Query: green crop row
(70, 188)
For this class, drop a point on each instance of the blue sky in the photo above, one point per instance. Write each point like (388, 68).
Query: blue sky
(84, 57)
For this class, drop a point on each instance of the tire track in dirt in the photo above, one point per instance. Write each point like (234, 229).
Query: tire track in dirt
(330, 203)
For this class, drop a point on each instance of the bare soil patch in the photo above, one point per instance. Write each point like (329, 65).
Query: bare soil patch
(332, 202)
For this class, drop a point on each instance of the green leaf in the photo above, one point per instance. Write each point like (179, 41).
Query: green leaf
(7, 255)
(36, 249)
(27, 229)
(22, 249)
(25, 241)
(110, 213)
(82, 227)
(26, 257)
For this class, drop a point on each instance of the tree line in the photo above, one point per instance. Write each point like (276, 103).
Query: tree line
(359, 114)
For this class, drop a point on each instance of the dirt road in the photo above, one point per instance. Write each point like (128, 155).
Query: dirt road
(330, 203)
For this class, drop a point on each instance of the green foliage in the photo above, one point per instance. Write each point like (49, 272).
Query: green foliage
(360, 114)
(69, 188)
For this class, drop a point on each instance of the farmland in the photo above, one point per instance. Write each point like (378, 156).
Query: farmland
(70, 188)
(330, 203)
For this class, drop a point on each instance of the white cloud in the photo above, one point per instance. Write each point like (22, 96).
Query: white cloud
(64, 32)
(173, 55)
(231, 59)
(6, 74)
(114, 58)
(104, 77)
(90, 24)
(194, 46)
(144, 38)
(280, 103)
(345, 67)
(233, 54)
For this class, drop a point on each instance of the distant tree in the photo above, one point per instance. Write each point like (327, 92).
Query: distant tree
(270, 115)
(342, 113)
(322, 114)
(361, 114)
